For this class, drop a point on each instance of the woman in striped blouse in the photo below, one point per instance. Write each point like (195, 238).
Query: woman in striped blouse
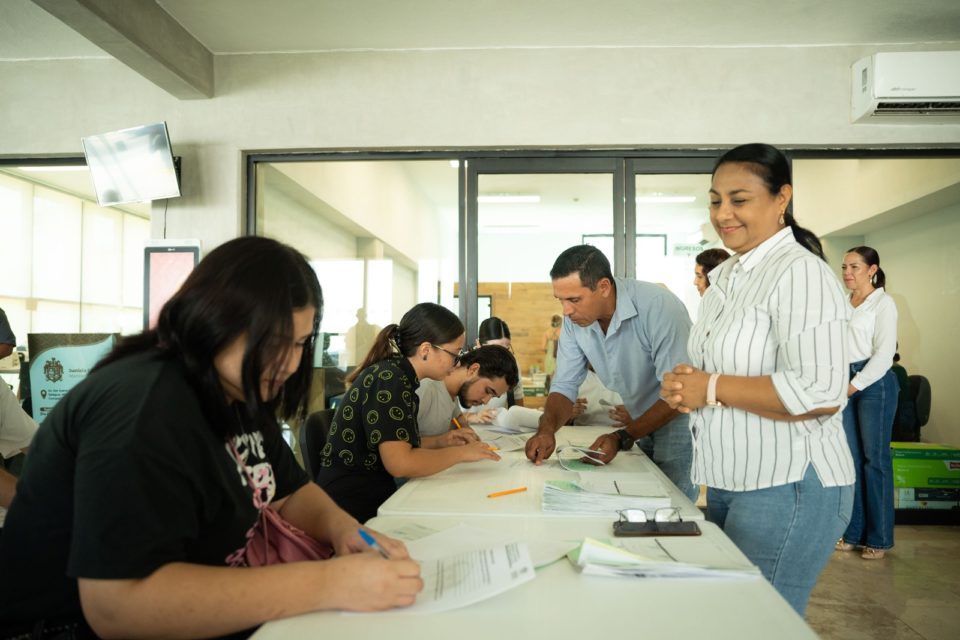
(767, 379)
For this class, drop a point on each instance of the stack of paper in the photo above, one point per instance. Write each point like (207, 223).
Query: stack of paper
(603, 495)
(516, 420)
(597, 558)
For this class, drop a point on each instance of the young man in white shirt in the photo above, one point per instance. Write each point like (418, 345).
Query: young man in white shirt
(483, 373)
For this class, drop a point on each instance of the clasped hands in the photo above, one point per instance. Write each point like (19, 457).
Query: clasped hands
(685, 388)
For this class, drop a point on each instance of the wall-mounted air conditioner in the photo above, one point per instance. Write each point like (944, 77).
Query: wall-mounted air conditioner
(887, 86)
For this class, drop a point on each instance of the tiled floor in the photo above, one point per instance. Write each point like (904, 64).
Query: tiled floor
(912, 594)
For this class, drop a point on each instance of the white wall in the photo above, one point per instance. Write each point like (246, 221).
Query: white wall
(833, 194)
(291, 222)
(920, 259)
(435, 99)
(379, 198)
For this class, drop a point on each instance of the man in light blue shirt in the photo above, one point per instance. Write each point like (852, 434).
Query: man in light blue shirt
(631, 332)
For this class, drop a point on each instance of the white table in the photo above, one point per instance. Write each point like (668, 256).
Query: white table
(462, 489)
(561, 604)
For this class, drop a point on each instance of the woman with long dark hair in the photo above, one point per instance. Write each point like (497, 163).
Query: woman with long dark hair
(768, 380)
(706, 261)
(135, 504)
(374, 438)
(873, 392)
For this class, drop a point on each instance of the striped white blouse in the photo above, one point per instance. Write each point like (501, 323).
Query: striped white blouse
(776, 310)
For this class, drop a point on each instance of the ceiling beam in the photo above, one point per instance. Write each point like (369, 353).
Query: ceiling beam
(141, 35)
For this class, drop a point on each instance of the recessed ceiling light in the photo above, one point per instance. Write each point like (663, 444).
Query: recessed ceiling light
(508, 198)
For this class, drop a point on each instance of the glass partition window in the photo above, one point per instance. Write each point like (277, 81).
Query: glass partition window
(68, 264)
(381, 235)
(672, 227)
(524, 222)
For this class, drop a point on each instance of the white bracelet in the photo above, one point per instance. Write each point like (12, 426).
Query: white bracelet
(712, 391)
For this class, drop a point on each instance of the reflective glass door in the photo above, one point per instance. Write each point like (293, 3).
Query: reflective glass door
(525, 213)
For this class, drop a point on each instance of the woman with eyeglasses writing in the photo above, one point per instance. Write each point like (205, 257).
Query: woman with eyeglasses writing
(374, 437)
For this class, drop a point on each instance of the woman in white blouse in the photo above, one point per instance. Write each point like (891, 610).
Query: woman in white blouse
(868, 416)
(768, 380)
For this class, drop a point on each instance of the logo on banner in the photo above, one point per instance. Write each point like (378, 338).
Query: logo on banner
(53, 370)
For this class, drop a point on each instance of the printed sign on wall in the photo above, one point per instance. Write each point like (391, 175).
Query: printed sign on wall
(58, 361)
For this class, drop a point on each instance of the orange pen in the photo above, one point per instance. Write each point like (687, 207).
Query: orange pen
(455, 423)
(507, 492)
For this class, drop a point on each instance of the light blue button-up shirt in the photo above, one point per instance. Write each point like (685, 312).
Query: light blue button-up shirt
(647, 338)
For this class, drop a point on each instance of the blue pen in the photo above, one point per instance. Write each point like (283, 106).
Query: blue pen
(373, 543)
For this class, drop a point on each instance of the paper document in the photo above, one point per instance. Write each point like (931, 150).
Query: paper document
(516, 420)
(454, 577)
(503, 441)
(594, 557)
(407, 531)
(462, 538)
(704, 551)
(603, 494)
(569, 454)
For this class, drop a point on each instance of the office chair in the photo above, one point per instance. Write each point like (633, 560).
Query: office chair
(313, 437)
(920, 392)
(913, 409)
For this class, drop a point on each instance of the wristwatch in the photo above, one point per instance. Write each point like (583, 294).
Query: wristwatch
(712, 391)
(626, 440)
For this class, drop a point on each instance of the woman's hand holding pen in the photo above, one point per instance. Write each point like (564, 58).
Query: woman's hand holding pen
(458, 437)
(368, 582)
(476, 451)
(346, 540)
(685, 389)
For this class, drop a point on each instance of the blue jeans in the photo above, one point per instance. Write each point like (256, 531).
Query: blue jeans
(671, 448)
(787, 531)
(868, 423)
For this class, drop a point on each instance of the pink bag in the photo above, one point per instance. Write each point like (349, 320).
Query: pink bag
(273, 540)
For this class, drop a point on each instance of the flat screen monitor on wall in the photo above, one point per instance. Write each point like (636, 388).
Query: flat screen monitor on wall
(165, 267)
(132, 165)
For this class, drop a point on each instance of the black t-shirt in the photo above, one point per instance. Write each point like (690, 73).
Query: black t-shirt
(381, 406)
(124, 476)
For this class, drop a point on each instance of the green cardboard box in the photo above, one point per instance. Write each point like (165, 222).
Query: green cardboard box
(920, 464)
(926, 498)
